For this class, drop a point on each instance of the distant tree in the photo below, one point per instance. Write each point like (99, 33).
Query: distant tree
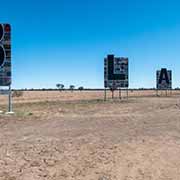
(81, 88)
(60, 86)
(72, 87)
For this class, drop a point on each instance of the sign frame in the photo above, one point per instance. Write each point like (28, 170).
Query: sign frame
(5, 66)
(164, 79)
(116, 72)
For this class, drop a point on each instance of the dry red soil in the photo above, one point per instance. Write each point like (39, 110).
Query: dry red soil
(78, 136)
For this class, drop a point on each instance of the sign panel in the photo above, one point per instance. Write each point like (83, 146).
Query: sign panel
(115, 72)
(164, 79)
(5, 54)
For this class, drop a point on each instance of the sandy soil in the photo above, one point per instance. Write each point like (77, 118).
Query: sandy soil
(78, 136)
(41, 96)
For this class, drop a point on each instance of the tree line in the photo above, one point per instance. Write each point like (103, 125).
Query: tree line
(61, 87)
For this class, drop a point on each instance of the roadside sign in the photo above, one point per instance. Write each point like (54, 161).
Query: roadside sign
(116, 72)
(5, 55)
(164, 79)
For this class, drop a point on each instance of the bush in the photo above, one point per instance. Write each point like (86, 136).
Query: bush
(17, 93)
(81, 88)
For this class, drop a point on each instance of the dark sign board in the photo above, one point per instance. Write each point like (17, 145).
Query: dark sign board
(5, 54)
(116, 72)
(164, 79)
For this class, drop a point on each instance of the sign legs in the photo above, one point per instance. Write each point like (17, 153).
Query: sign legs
(119, 93)
(10, 102)
(112, 93)
(156, 92)
(105, 94)
(127, 93)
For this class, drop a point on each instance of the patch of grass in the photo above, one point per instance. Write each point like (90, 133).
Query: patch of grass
(43, 108)
(20, 113)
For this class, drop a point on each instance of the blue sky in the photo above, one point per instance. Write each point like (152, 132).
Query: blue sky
(65, 41)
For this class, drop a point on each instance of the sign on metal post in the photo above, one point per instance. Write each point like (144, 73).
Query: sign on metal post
(116, 72)
(5, 55)
(5, 58)
(164, 79)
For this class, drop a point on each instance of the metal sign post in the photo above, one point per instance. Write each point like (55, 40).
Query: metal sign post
(127, 93)
(105, 95)
(10, 101)
(171, 91)
(156, 92)
(112, 93)
(166, 92)
(120, 93)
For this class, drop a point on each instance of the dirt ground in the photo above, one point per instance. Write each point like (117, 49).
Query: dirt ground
(78, 136)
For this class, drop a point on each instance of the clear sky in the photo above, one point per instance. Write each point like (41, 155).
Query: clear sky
(65, 41)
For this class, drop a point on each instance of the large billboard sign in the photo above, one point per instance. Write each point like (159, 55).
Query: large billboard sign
(164, 79)
(115, 72)
(5, 54)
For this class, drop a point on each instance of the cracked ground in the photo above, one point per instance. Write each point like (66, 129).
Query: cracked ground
(74, 136)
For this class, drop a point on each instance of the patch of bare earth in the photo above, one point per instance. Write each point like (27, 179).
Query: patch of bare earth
(89, 139)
